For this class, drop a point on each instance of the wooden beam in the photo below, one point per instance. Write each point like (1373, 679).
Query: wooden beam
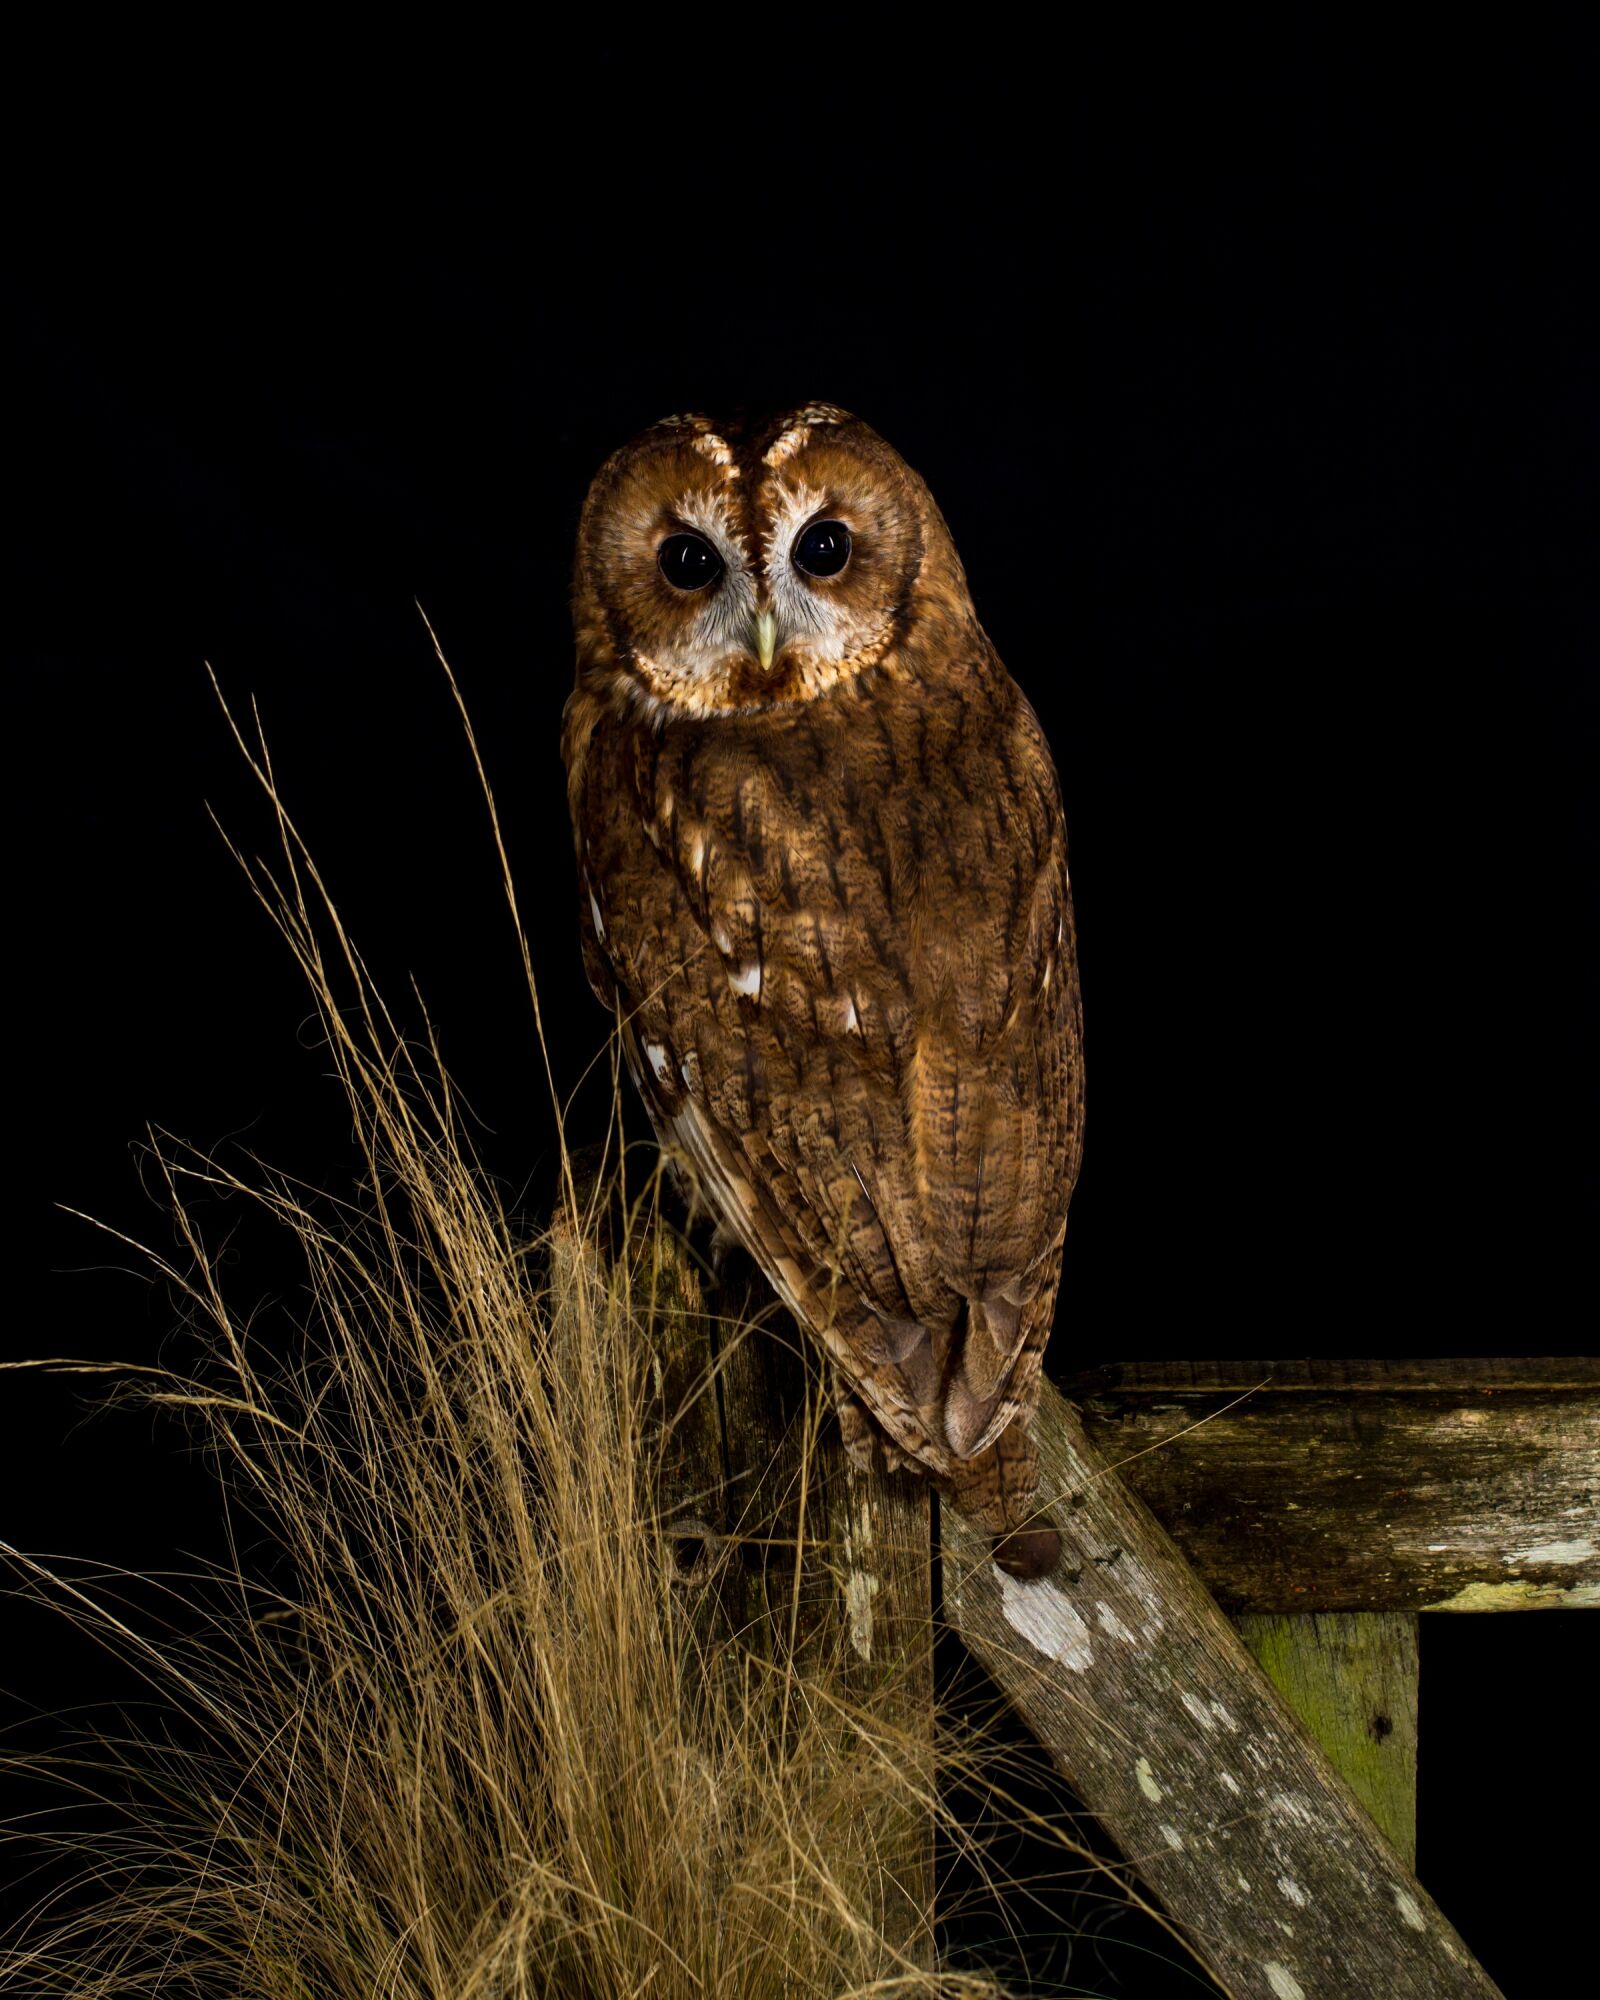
(1151, 1706)
(779, 1540)
(1351, 1677)
(1382, 1375)
(1454, 1485)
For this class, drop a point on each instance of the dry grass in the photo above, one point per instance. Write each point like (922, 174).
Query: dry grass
(452, 1736)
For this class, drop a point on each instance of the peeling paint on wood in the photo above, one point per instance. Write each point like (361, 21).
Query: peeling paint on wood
(1046, 1620)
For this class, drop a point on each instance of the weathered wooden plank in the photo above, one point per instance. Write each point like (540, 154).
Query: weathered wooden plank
(1148, 1700)
(1351, 1677)
(782, 1540)
(1385, 1374)
(1366, 1499)
(880, 1538)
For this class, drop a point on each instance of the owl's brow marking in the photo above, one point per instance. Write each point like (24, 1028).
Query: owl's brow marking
(705, 439)
(798, 432)
(709, 445)
(786, 445)
(712, 515)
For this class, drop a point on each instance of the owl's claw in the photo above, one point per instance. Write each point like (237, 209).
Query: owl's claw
(1030, 1552)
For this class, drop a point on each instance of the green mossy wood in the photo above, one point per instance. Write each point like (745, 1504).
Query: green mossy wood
(1440, 1485)
(1287, 1864)
(1351, 1677)
(1148, 1701)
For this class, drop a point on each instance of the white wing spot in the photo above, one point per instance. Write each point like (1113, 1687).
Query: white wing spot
(852, 1020)
(599, 921)
(660, 1061)
(721, 939)
(746, 979)
(697, 853)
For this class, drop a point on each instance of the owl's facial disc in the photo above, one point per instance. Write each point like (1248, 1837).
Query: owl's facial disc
(736, 577)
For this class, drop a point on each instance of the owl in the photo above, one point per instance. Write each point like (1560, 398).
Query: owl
(823, 885)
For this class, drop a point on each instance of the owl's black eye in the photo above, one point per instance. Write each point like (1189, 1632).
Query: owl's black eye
(823, 549)
(689, 562)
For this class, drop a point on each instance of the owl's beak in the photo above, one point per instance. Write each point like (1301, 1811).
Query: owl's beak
(766, 629)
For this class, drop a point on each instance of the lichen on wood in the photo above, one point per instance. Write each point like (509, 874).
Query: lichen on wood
(1366, 1486)
(1149, 1703)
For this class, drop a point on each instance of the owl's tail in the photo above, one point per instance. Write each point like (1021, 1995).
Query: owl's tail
(978, 1404)
(998, 1488)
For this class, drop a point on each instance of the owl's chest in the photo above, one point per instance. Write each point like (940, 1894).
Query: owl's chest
(833, 873)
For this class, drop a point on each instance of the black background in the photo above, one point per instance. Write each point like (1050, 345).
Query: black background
(1265, 429)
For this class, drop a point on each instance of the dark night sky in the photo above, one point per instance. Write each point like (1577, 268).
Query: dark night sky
(1266, 433)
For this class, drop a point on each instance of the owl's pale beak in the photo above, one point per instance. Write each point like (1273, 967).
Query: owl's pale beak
(766, 638)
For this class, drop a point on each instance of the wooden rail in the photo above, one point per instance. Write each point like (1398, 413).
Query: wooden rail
(1364, 1489)
(773, 1531)
(1150, 1704)
(1444, 1485)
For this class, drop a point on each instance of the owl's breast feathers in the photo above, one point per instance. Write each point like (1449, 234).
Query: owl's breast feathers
(840, 936)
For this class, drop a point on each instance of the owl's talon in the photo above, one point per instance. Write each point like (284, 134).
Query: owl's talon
(1030, 1552)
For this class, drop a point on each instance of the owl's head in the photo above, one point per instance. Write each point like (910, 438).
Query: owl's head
(737, 565)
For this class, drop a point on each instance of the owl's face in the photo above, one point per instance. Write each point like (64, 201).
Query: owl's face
(724, 566)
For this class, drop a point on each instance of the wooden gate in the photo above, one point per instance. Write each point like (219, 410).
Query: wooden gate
(1224, 1666)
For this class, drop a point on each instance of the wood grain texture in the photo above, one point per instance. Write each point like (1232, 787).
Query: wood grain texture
(1382, 1374)
(1404, 1487)
(1351, 1677)
(781, 1542)
(1149, 1702)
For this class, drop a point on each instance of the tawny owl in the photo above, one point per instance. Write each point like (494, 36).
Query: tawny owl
(823, 881)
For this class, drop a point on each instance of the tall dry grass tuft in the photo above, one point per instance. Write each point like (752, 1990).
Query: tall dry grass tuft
(453, 1737)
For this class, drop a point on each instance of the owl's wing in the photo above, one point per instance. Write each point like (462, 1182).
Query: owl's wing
(841, 942)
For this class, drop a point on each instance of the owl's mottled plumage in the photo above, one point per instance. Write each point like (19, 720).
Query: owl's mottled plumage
(828, 896)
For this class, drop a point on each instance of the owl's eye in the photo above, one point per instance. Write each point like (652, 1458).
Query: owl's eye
(823, 549)
(689, 562)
